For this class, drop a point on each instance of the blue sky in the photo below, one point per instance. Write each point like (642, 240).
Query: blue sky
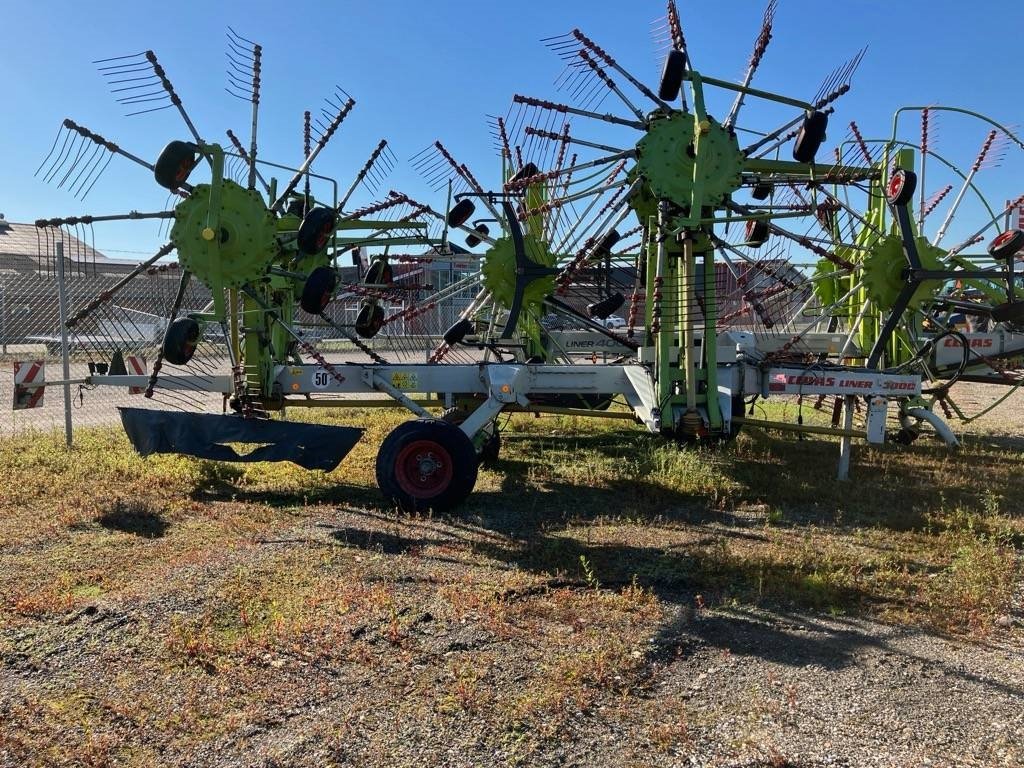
(426, 70)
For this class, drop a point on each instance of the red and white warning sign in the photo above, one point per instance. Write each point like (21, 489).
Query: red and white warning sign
(29, 383)
(136, 366)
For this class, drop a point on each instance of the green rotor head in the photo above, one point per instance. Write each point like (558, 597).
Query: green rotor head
(500, 273)
(243, 248)
(666, 159)
(883, 271)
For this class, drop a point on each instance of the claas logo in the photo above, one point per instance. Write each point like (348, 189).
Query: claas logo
(952, 341)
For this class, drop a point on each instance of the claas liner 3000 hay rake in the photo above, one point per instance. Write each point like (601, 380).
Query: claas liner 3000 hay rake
(712, 322)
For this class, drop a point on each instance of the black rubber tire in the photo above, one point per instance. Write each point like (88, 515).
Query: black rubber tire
(757, 233)
(672, 75)
(603, 309)
(491, 448)
(315, 230)
(762, 190)
(1006, 245)
(460, 212)
(810, 137)
(411, 457)
(457, 332)
(379, 273)
(369, 320)
(1010, 312)
(175, 163)
(904, 436)
(473, 241)
(181, 341)
(900, 187)
(607, 243)
(525, 172)
(318, 289)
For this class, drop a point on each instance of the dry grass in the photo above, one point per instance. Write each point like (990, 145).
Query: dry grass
(155, 608)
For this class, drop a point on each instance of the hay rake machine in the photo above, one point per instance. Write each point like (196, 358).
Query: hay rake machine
(906, 297)
(553, 242)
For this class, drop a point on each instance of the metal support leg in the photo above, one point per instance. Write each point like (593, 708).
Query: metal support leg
(846, 442)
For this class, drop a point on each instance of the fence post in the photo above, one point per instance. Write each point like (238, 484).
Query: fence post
(65, 352)
(3, 319)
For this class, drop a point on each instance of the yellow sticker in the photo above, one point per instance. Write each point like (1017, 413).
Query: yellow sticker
(403, 380)
(296, 371)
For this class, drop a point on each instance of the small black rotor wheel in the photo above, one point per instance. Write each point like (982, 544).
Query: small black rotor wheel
(901, 186)
(318, 289)
(756, 232)
(460, 212)
(458, 331)
(810, 137)
(1006, 245)
(370, 319)
(672, 75)
(1011, 312)
(481, 229)
(315, 230)
(175, 163)
(379, 273)
(528, 170)
(181, 340)
(426, 464)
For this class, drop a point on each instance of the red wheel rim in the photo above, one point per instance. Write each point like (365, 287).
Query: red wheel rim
(184, 170)
(896, 184)
(1004, 238)
(325, 233)
(751, 227)
(423, 469)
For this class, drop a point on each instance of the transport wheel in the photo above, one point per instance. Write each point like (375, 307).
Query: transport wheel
(318, 289)
(181, 341)
(426, 464)
(175, 163)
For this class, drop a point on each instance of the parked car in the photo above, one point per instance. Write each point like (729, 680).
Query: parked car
(614, 322)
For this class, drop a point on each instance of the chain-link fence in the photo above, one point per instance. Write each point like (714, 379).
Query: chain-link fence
(116, 316)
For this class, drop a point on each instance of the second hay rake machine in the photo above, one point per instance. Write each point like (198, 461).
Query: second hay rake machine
(683, 372)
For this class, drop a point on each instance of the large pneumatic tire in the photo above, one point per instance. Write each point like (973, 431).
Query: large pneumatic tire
(901, 186)
(491, 448)
(181, 341)
(318, 289)
(426, 464)
(672, 75)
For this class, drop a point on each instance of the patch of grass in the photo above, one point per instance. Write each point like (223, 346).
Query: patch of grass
(226, 599)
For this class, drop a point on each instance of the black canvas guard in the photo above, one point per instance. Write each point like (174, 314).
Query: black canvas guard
(203, 435)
